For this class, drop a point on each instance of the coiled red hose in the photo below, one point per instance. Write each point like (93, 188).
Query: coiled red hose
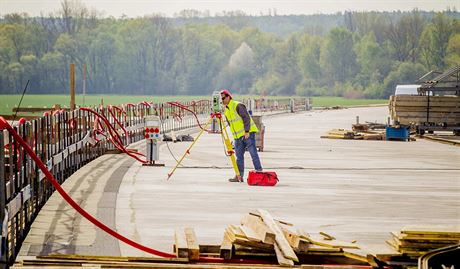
(115, 136)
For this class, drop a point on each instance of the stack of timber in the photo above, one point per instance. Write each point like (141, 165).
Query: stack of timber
(414, 241)
(356, 135)
(260, 236)
(409, 109)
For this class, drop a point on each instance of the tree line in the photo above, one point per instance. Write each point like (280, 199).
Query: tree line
(351, 54)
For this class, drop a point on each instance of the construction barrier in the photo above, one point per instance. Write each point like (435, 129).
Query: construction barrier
(64, 141)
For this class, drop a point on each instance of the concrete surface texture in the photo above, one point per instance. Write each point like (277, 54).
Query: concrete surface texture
(351, 189)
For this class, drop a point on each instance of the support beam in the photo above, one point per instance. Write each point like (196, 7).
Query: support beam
(72, 86)
(180, 244)
(192, 244)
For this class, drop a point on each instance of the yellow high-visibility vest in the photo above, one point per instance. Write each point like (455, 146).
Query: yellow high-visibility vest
(236, 122)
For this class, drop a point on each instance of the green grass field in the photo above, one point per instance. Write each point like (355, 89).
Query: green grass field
(328, 101)
(7, 102)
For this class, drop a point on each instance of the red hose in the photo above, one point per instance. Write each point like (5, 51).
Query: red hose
(116, 120)
(116, 138)
(5, 125)
(181, 106)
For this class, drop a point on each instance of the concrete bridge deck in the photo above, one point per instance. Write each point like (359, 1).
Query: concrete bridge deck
(354, 190)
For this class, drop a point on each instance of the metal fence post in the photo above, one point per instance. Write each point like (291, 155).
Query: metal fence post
(3, 230)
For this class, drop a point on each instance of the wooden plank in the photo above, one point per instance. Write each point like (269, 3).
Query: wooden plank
(246, 242)
(180, 244)
(369, 136)
(412, 98)
(455, 109)
(453, 115)
(283, 244)
(297, 243)
(443, 230)
(318, 240)
(425, 238)
(250, 234)
(282, 260)
(357, 254)
(422, 243)
(239, 249)
(257, 214)
(192, 244)
(259, 227)
(432, 103)
(407, 120)
(226, 248)
(237, 231)
(327, 236)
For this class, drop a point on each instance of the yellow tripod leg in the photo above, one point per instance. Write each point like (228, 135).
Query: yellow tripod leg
(190, 147)
(229, 147)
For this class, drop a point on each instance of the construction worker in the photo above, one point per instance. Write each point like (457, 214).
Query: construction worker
(243, 129)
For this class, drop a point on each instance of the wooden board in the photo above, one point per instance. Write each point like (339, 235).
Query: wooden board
(259, 227)
(250, 234)
(282, 260)
(226, 248)
(408, 120)
(192, 244)
(430, 114)
(180, 244)
(257, 214)
(320, 241)
(450, 231)
(425, 109)
(411, 98)
(281, 241)
(237, 239)
(297, 243)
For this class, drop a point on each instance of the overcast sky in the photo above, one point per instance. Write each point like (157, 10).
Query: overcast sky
(134, 8)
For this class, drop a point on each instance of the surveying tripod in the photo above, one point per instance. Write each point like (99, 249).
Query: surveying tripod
(228, 145)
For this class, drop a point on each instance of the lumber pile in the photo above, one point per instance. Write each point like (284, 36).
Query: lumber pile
(355, 135)
(409, 109)
(414, 241)
(260, 235)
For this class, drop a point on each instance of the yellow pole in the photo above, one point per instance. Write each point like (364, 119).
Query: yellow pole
(188, 149)
(229, 147)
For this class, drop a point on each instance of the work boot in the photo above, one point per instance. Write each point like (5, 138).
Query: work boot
(236, 179)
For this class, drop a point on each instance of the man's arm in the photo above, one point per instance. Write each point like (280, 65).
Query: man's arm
(243, 112)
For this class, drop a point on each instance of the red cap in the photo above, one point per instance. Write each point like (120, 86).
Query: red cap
(226, 92)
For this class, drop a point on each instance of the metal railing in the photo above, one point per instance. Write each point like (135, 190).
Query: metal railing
(67, 140)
